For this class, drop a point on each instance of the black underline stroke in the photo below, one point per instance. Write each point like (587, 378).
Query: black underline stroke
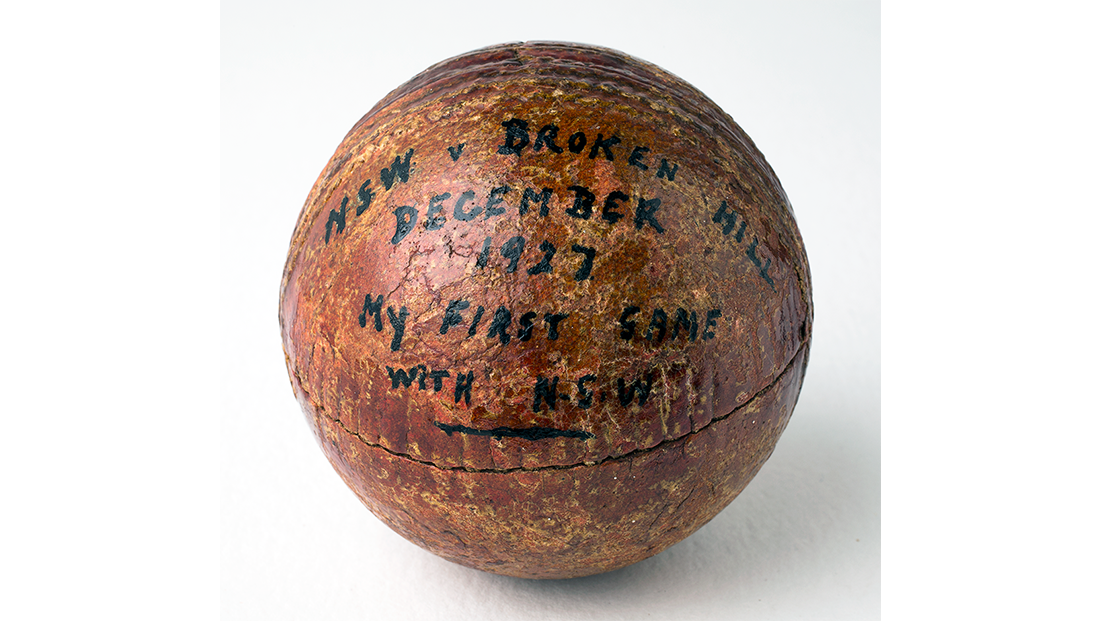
(526, 433)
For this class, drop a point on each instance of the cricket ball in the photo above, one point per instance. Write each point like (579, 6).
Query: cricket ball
(546, 309)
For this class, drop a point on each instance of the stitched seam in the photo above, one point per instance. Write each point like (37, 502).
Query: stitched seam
(632, 453)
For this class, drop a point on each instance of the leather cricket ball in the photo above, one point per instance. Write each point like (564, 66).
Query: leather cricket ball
(546, 309)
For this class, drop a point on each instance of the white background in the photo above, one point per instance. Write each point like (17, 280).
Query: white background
(154, 463)
(804, 539)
